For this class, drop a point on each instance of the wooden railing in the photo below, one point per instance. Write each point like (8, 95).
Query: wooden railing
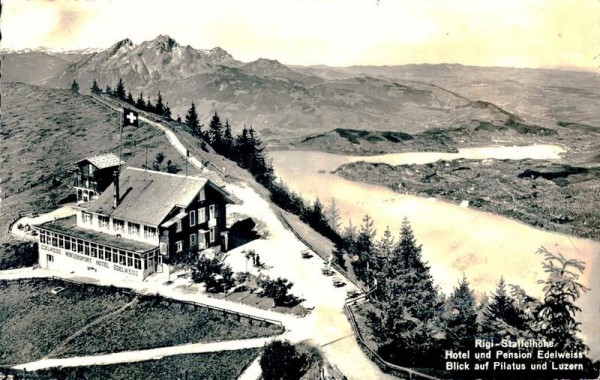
(385, 366)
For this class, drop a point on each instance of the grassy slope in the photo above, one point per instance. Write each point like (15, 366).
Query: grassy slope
(33, 321)
(150, 325)
(45, 132)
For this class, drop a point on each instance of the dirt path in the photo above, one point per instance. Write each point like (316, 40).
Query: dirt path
(82, 330)
(144, 355)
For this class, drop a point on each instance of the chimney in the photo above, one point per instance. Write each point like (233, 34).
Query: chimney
(116, 183)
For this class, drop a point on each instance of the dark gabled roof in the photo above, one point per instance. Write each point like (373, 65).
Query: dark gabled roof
(69, 227)
(103, 161)
(148, 196)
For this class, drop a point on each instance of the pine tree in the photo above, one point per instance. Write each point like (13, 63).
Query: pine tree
(159, 108)
(215, 133)
(140, 103)
(364, 250)
(130, 98)
(75, 87)
(227, 140)
(333, 216)
(108, 90)
(191, 120)
(150, 106)
(408, 322)
(167, 112)
(120, 90)
(561, 289)
(461, 317)
(95, 89)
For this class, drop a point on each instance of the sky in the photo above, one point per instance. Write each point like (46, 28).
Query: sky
(517, 33)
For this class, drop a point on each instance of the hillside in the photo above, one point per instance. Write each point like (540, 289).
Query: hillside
(45, 132)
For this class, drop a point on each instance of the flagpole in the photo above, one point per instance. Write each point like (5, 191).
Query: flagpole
(146, 167)
(120, 142)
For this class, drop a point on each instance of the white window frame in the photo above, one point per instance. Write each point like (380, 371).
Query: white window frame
(213, 233)
(193, 239)
(87, 217)
(202, 195)
(103, 221)
(202, 215)
(148, 234)
(133, 229)
(179, 246)
(178, 226)
(118, 225)
(192, 218)
(212, 211)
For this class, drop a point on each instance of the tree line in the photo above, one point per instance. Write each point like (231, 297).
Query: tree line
(159, 108)
(413, 322)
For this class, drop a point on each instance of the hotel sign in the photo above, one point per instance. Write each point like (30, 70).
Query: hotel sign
(92, 261)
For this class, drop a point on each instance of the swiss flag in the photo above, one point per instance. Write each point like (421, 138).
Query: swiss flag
(130, 117)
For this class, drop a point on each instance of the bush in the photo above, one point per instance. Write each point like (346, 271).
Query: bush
(281, 360)
(276, 289)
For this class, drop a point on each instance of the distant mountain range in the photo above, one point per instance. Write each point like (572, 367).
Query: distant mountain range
(290, 101)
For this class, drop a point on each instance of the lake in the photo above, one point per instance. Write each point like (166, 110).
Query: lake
(455, 240)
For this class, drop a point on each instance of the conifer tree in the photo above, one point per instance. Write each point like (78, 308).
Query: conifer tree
(141, 103)
(408, 323)
(120, 90)
(227, 140)
(130, 98)
(333, 216)
(150, 106)
(461, 317)
(75, 87)
(167, 112)
(215, 133)
(364, 250)
(159, 108)
(557, 312)
(95, 89)
(191, 120)
(108, 90)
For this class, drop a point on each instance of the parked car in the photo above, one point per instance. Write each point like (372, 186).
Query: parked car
(338, 283)
(352, 293)
(327, 272)
(306, 254)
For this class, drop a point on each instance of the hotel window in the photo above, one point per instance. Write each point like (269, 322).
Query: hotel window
(137, 263)
(118, 225)
(43, 237)
(178, 226)
(122, 257)
(54, 240)
(193, 240)
(94, 250)
(87, 218)
(103, 221)
(179, 246)
(201, 195)
(86, 248)
(201, 215)
(134, 229)
(212, 235)
(61, 241)
(129, 259)
(68, 242)
(211, 212)
(149, 232)
(192, 218)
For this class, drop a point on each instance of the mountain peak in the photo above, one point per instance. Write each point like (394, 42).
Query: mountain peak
(164, 42)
